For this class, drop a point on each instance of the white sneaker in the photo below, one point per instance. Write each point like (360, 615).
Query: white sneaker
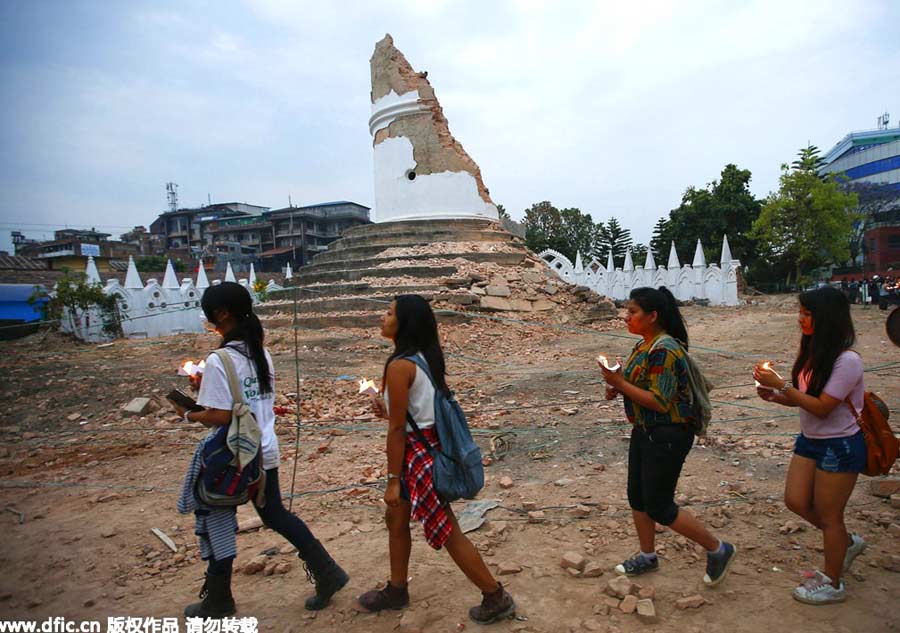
(856, 547)
(818, 590)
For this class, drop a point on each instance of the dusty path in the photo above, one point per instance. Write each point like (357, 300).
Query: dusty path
(90, 492)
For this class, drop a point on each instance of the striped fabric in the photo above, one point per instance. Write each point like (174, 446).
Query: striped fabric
(427, 508)
(216, 528)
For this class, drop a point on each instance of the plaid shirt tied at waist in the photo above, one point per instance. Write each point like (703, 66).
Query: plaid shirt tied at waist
(427, 508)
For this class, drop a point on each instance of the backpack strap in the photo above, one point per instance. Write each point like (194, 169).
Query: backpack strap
(233, 382)
(856, 415)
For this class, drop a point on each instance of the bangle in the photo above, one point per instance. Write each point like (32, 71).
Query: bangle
(392, 476)
(787, 385)
(185, 416)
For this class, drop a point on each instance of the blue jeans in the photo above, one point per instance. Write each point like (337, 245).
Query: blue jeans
(834, 454)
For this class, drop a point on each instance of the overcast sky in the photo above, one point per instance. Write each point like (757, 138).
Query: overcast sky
(612, 107)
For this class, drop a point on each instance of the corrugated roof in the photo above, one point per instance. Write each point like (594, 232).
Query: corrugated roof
(17, 262)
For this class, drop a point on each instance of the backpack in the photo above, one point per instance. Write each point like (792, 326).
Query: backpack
(457, 471)
(698, 393)
(231, 471)
(882, 445)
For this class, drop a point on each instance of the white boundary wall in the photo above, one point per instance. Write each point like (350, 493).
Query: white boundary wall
(717, 283)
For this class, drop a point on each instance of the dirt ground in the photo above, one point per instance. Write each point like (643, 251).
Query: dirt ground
(82, 485)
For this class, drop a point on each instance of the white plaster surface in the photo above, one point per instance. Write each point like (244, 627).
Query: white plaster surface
(445, 195)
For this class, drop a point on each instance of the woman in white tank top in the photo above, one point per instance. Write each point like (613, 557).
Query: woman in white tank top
(409, 393)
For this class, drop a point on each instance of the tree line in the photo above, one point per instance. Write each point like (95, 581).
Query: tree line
(812, 220)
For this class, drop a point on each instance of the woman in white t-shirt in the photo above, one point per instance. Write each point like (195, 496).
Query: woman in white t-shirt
(229, 307)
(408, 392)
(827, 385)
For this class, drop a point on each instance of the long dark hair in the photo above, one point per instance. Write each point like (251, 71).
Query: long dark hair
(667, 313)
(417, 332)
(236, 300)
(833, 333)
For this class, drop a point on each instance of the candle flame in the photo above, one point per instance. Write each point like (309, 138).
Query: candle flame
(368, 386)
(189, 368)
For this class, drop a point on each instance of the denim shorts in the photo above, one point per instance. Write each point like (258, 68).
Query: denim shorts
(834, 454)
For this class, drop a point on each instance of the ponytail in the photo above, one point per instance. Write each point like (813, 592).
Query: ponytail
(662, 302)
(236, 300)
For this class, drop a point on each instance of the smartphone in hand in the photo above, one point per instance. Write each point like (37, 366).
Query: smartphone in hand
(181, 399)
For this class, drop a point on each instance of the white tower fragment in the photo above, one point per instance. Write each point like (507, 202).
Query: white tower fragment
(579, 266)
(421, 171)
(289, 274)
(229, 273)
(90, 271)
(699, 256)
(132, 278)
(252, 276)
(726, 252)
(650, 264)
(673, 258)
(202, 281)
(629, 262)
(170, 281)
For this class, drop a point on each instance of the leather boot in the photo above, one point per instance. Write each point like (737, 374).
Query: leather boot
(326, 574)
(390, 597)
(494, 606)
(217, 601)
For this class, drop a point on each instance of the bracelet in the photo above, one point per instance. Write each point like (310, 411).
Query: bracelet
(392, 476)
(787, 385)
(185, 416)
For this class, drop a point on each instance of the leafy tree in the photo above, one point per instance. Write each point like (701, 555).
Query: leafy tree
(725, 206)
(808, 160)
(502, 212)
(808, 221)
(157, 264)
(612, 237)
(578, 232)
(639, 254)
(73, 292)
(543, 228)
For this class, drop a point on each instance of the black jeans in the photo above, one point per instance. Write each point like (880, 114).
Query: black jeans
(655, 458)
(277, 517)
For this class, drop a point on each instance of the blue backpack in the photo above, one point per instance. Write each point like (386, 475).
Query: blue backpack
(457, 472)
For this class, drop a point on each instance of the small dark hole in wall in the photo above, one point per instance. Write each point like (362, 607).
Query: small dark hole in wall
(411, 175)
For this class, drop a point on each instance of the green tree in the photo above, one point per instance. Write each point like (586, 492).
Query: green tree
(502, 212)
(808, 221)
(639, 254)
(661, 237)
(725, 206)
(612, 237)
(808, 160)
(543, 227)
(579, 233)
(157, 264)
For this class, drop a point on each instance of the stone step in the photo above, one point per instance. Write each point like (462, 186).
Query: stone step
(421, 226)
(304, 277)
(352, 288)
(330, 304)
(415, 238)
(347, 320)
(366, 250)
(503, 258)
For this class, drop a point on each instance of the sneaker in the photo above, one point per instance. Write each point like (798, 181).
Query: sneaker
(390, 597)
(494, 606)
(818, 590)
(637, 565)
(856, 547)
(718, 564)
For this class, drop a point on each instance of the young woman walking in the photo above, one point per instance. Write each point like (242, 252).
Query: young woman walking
(408, 392)
(229, 307)
(827, 385)
(655, 387)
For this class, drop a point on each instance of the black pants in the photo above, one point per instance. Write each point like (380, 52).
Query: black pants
(655, 458)
(277, 517)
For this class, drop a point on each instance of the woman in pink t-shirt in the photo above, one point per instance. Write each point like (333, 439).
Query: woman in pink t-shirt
(830, 451)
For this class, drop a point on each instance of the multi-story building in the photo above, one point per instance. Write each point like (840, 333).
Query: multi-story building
(147, 243)
(70, 248)
(186, 231)
(298, 233)
(869, 161)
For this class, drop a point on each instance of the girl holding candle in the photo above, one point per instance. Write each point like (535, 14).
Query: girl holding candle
(408, 392)
(655, 386)
(229, 307)
(827, 385)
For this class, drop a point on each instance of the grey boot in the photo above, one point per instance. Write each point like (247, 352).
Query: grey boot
(217, 601)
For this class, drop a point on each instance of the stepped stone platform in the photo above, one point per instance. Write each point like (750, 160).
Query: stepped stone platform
(350, 284)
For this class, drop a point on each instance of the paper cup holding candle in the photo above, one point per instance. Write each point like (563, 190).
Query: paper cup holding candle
(605, 363)
(368, 387)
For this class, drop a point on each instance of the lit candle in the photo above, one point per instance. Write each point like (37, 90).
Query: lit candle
(368, 387)
(605, 363)
(190, 369)
(765, 365)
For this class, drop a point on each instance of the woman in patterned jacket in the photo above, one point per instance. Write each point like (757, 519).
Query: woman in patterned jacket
(656, 389)
(408, 391)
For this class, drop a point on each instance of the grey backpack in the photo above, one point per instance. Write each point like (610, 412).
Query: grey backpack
(457, 472)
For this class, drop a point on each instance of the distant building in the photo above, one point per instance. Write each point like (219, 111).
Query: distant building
(147, 243)
(870, 162)
(185, 232)
(70, 248)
